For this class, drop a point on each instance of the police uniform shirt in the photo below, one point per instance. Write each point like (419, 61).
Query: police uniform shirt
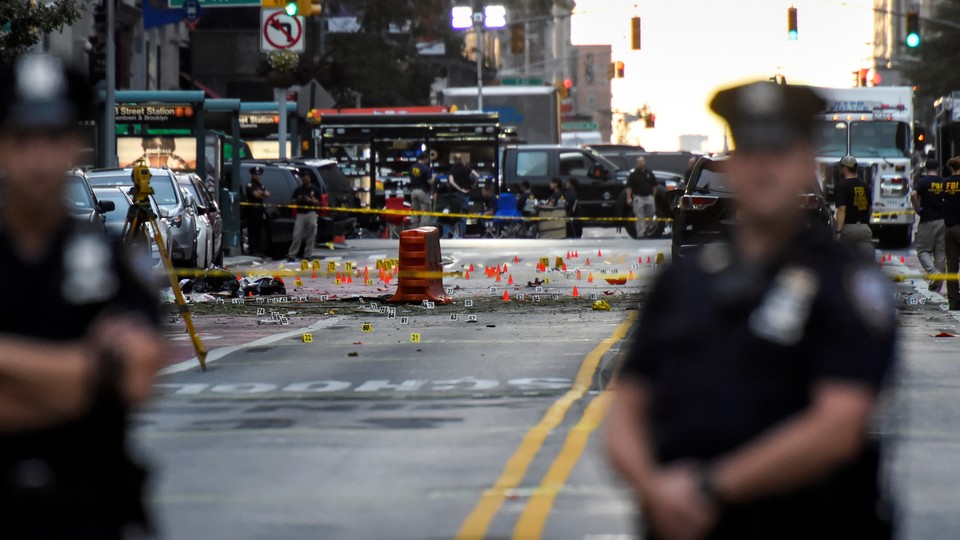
(951, 201)
(68, 476)
(930, 192)
(642, 182)
(420, 176)
(729, 352)
(853, 194)
(254, 186)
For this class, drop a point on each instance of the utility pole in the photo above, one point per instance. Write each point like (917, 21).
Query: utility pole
(109, 116)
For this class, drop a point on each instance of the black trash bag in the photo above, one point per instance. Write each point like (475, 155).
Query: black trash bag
(265, 286)
(213, 280)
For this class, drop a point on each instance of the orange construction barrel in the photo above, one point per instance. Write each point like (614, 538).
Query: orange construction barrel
(421, 274)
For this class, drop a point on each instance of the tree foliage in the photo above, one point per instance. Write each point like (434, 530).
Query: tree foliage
(380, 62)
(935, 72)
(26, 21)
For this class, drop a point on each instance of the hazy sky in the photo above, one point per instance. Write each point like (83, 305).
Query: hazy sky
(693, 47)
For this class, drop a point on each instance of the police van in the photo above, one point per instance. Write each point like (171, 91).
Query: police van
(875, 125)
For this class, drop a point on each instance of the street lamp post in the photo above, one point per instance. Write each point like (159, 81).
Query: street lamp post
(464, 17)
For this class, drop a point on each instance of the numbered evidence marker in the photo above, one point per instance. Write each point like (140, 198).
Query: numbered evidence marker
(348, 267)
(307, 338)
(454, 317)
(261, 311)
(493, 290)
(538, 290)
(324, 298)
(471, 318)
(404, 320)
(331, 267)
(220, 301)
(368, 282)
(392, 313)
(520, 297)
(593, 296)
(536, 298)
(468, 303)
(367, 327)
(415, 338)
(556, 296)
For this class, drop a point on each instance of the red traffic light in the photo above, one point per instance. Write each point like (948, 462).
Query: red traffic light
(568, 84)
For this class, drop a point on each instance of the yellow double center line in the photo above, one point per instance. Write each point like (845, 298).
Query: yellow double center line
(534, 517)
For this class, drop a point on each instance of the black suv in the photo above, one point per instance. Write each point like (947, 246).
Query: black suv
(705, 212)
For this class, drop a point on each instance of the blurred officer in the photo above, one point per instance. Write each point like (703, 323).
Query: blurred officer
(951, 220)
(854, 206)
(256, 194)
(929, 240)
(742, 409)
(421, 182)
(78, 347)
(641, 192)
(307, 197)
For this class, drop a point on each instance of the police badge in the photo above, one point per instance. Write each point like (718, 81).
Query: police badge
(88, 270)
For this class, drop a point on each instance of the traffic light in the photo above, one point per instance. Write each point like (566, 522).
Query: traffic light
(518, 40)
(793, 33)
(635, 33)
(307, 8)
(913, 29)
(620, 69)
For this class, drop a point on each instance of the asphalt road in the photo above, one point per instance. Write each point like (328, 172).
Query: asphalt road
(485, 429)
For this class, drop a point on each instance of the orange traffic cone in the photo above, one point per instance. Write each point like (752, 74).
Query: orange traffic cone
(506, 296)
(576, 291)
(466, 275)
(568, 255)
(366, 274)
(313, 275)
(599, 254)
(578, 274)
(504, 268)
(630, 276)
(649, 260)
(516, 259)
(349, 278)
(590, 277)
(576, 254)
(510, 279)
(902, 260)
(564, 267)
(498, 277)
(250, 294)
(587, 263)
(471, 267)
(239, 277)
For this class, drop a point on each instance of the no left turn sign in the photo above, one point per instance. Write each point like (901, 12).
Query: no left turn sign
(280, 32)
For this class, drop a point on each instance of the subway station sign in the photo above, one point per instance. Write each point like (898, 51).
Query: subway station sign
(218, 3)
(154, 114)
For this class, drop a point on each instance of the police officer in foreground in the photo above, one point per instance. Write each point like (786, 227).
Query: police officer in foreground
(742, 409)
(79, 343)
(256, 194)
(854, 206)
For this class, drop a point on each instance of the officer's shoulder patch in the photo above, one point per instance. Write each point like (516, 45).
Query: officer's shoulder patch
(869, 294)
(715, 257)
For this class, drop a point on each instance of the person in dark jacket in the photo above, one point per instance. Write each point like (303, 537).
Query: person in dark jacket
(572, 206)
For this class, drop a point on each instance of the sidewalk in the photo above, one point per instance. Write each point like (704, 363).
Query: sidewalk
(924, 415)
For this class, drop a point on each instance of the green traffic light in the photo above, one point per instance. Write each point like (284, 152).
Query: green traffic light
(913, 40)
(793, 35)
(291, 9)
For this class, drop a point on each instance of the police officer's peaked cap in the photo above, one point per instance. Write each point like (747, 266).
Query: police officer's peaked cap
(38, 92)
(768, 116)
(256, 169)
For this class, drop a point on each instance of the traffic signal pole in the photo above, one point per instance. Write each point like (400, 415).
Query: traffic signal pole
(109, 113)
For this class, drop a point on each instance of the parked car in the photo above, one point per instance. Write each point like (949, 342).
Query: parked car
(207, 209)
(81, 200)
(704, 212)
(116, 219)
(170, 199)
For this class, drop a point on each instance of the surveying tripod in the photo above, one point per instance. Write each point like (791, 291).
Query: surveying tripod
(140, 214)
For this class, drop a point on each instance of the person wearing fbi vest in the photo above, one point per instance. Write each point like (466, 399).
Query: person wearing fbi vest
(927, 198)
(854, 206)
(742, 410)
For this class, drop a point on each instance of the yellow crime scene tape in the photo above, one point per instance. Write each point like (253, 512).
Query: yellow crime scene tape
(396, 212)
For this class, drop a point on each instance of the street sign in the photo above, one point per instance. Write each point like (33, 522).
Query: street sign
(191, 10)
(175, 4)
(280, 32)
(579, 126)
